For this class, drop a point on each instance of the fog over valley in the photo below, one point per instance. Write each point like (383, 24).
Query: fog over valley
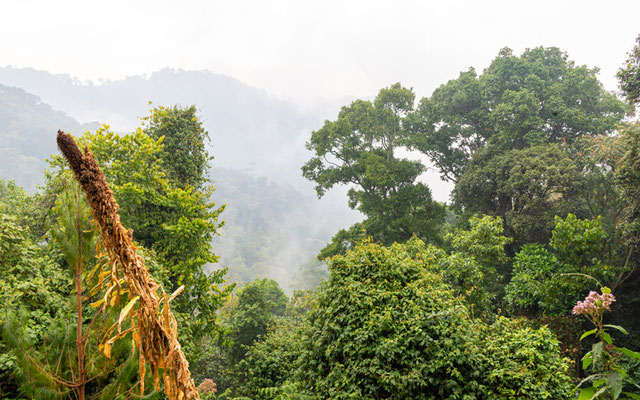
(257, 142)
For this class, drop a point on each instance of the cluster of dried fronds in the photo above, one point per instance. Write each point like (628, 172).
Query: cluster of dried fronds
(152, 326)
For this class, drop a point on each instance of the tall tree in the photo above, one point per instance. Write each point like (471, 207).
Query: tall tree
(259, 305)
(629, 75)
(526, 188)
(359, 150)
(185, 159)
(174, 220)
(518, 101)
(67, 362)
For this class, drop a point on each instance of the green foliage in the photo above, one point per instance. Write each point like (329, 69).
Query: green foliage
(470, 281)
(540, 282)
(184, 159)
(517, 102)
(31, 280)
(259, 304)
(609, 377)
(268, 369)
(358, 149)
(484, 241)
(384, 326)
(55, 356)
(16, 202)
(629, 75)
(264, 330)
(47, 364)
(482, 248)
(615, 197)
(345, 239)
(576, 241)
(523, 363)
(628, 179)
(534, 268)
(174, 220)
(176, 223)
(527, 188)
(71, 229)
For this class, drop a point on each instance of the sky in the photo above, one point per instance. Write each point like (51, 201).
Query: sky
(309, 51)
(318, 54)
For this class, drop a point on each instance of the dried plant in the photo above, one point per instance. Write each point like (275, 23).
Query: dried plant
(153, 328)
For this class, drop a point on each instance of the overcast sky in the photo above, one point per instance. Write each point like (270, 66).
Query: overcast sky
(309, 50)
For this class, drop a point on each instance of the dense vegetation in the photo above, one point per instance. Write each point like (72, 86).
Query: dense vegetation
(481, 298)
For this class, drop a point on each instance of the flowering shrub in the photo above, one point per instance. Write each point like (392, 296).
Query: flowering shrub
(609, 377)
(594, 305)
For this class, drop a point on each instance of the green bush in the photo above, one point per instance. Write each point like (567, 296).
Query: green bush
(267, 370)
(521, 362)
(551, 281)
(386, 326)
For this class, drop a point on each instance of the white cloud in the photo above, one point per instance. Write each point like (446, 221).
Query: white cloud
(307, 50)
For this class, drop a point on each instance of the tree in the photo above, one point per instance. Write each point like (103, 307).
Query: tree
(484, 241)
(477, 266)
(77, 239)
(185, 159)
(522, 362)
(153, 327)
(527, 188)
(615, 195)
(359, 149)
(65, 360)
(540, 284)
(629, 75)
(26, 209)
(628, 180)
(259, 304)
(269, 365)
(386, 326)
(33, 281)
(176, 222)
(517, 102)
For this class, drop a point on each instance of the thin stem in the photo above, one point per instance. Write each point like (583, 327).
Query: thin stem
(582, 275)
(79, 335)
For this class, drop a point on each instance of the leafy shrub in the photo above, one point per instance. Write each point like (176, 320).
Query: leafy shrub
(267, 371)
(521, 362)
(540, 281)
(386, 326)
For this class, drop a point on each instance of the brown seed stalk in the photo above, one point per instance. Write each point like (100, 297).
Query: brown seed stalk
(157, 333)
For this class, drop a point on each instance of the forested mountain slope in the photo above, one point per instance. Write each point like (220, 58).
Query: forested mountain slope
(272, 228)
(27, 135)
(249, 128)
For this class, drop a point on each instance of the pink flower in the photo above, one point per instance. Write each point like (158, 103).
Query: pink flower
(594, 304)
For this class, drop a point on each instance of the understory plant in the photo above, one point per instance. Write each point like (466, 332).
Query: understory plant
(606, 361)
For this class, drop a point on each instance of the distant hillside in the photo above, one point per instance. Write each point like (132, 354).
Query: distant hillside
(250, 130)
(272, 228)
(28, 129)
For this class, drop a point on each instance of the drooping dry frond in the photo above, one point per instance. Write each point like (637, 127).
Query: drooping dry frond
(153, 326)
